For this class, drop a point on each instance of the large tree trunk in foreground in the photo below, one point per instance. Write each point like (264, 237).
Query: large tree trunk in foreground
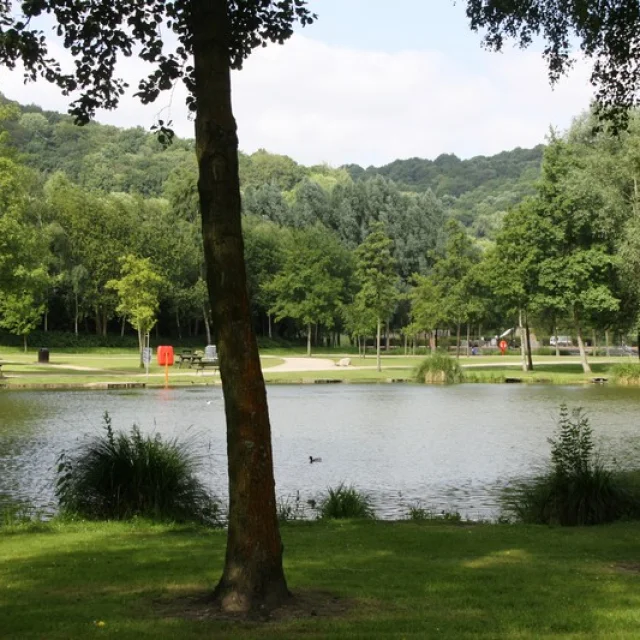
(253, 576)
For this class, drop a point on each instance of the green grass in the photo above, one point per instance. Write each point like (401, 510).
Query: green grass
(401, 580)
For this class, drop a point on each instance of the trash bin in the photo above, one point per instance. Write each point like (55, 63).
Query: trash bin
(43, 356)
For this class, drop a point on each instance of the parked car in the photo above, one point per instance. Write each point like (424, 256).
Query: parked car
(563, 341)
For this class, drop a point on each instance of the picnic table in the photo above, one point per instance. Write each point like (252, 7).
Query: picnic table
(190, 357)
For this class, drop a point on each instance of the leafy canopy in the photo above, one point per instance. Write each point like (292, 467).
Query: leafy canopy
(99, 34)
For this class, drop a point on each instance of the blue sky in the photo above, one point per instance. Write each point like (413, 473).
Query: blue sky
(372, 81)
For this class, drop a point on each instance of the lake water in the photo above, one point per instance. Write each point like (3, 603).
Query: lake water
(449, 448)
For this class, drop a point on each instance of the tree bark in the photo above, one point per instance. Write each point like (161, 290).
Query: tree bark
(207, 327)
(378, 364)
(468, 339)
(528, 336)
(458, 341)
(523, 349)
(583, 354)
(75, 314)
(557, 345)
(253, 576)
(269, 324)
(607, 341)
(24, 340)
(309, 340)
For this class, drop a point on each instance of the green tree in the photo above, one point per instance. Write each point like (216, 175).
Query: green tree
(138, 290)
(312, 286)
(377, 277)
(454, 275)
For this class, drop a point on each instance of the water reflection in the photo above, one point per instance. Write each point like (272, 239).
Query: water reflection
(451, 448)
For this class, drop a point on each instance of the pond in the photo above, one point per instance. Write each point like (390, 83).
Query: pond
(447, 448)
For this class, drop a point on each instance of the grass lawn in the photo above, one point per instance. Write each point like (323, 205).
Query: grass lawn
(395, 580)
(106, 366)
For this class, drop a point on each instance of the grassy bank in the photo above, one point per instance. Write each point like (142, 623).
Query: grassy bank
(396, 580)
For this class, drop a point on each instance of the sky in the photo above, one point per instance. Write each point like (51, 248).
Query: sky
(371, 81)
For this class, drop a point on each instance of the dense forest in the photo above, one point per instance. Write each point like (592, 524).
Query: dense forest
(93, 217)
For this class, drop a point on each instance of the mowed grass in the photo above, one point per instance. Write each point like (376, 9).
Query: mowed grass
(397, 580)
(72, 368)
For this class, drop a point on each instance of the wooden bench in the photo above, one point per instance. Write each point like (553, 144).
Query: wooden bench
(203, 364)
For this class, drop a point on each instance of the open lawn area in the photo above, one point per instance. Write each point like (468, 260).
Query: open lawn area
(363, 580)
(117, 365)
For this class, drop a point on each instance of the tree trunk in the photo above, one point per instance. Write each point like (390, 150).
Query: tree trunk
(98, 322)
(528, 336)
(122, 324)
(468, 339)
(607, 342)
(557, 345)
(594, 343)
(178, 326)
(378, 331)
(458, 341)
(269, 324)
(75, 315)
(207, 327)
(105, 321)
(436, 339)
(583, 354)
(46, 321)
(141, 346)
(406, 345)
(523, 349)
(386, 341)
(309, 340)
(24, 340)
(253, 576)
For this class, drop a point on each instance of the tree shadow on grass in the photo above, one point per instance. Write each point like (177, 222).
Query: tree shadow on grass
(387, 579)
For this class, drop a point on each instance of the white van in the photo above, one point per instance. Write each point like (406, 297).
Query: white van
(563, 341)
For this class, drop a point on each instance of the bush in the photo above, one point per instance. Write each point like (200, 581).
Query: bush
(418, 513)
(627, 373)
(577, 489)
(346, 502)
(119, 475)
(439, 368)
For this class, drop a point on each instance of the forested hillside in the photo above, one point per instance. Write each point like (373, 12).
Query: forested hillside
(478, 192)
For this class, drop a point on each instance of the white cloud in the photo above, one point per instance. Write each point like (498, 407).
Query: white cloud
(320, 103)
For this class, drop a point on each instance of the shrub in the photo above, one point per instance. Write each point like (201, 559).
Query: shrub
(119, 475)
(418, 513)
(439, 368)
(346, 502)
(627, 373)
(577, 489)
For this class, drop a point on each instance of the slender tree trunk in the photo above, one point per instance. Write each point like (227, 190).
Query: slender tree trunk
(458, 341)
(269, 324)
(207, 327)
(557, 345)
(178, 325)
(594, 345)
(46, 321)
(528, 336)
(141, 346)
(386, 343)
(105, 322)
(122, 325)
(75, 315)
(436, 339)
(378, 331)
(24, 341)
(309, 340)
(468, 339)
(583, 354)
(98, 322)
(253, 576)
(406, 339)
(523, 349)
(607, 342)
